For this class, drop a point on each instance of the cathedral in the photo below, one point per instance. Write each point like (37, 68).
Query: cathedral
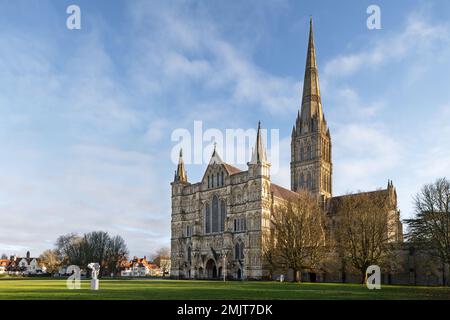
(218, 223)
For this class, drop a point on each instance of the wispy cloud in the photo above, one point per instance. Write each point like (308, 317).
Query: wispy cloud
(194, 50)
(376, 132)
(363, 152)
(81, 127)
(419, 36)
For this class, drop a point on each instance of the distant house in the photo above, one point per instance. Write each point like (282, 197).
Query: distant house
(139, 267)
(4, 263)
(25, 265)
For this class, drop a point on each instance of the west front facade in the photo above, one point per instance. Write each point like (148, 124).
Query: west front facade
(219, 223)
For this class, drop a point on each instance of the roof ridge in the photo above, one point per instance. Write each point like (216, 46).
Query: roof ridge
(233, 168)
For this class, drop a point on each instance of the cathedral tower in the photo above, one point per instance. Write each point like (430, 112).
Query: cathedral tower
(311, 166)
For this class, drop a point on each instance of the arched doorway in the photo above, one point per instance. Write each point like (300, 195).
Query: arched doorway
(239, 274)
(211, 269)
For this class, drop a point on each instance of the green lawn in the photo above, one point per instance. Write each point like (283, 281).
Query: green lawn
(173, 289)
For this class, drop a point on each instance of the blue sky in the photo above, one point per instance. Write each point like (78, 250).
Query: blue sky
(86, 115)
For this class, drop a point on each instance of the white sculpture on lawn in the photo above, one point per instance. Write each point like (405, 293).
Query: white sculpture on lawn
(95, 267)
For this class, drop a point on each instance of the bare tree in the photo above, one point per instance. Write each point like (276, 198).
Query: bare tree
(299, 234)
(69, 249)
(117, 253)
(95, 246)
(162, 259)
(4, 256)
(269, 253)
(362, 231)
(51, 261)
(164, 266)
(430, 227)
(161, 252)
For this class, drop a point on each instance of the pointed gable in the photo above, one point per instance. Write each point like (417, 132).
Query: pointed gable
(217, 170)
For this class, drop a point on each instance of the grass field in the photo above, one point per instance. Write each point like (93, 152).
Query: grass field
(49, 289)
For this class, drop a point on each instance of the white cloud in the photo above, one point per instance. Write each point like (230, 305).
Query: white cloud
(418, 37)
(194, 49)
(349, 102)
(283, 176)
(362, 153)
(97, 188)
(65, 167)
(157, 130)
(434, 154)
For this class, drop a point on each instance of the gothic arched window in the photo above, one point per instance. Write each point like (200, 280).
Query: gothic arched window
(223, 213)
(189, 254)
(215, 214)
(302, 180)
(207, 219)
(236, 251)
(241, 251)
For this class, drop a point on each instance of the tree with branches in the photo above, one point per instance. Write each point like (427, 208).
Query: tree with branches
(162, 259)
(97, 246)
(430, 227)
(298, 234)
(50, 259)
(362, 230)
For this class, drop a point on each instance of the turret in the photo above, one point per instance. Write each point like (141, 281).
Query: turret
(259, 165)
(180, 173)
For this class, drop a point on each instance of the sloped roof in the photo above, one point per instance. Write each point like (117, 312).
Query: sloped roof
(4, 262)
(141, 262)
(230, 169)
(283, 193)
(335, 202)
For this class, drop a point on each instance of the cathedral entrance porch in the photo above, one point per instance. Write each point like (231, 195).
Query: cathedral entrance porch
(211, 269)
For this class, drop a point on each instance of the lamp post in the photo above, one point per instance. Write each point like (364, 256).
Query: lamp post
(196, 255)
(224, 264)
(224, 268)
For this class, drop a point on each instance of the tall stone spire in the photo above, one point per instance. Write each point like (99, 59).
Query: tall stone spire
(180, 173)
(311, 100)
(259, 152)
(311, 166)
